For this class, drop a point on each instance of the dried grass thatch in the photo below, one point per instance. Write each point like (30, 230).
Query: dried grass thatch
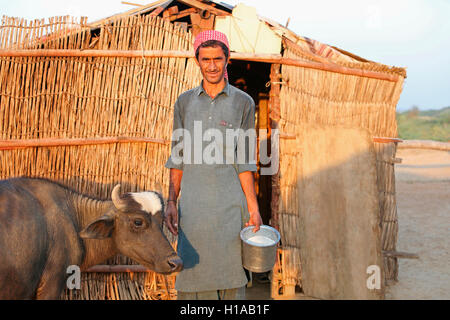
(335, 99)
(91, 98)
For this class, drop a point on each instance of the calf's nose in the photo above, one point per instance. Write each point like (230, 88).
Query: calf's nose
(175, 263)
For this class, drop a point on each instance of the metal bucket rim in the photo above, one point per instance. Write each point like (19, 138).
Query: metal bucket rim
(275, 231)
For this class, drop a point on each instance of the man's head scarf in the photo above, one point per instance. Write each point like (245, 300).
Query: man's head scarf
(211, 35)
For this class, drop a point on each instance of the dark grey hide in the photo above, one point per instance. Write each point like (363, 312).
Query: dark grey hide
(45, 228)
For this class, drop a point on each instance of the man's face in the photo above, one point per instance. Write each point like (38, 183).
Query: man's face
(212, 63)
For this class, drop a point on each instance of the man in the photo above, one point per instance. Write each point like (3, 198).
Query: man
(216, 198)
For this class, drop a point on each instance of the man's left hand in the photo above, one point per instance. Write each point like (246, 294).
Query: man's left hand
(255, 220)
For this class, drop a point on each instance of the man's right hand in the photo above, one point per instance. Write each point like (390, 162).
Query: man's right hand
(171, 217)
(171, 214)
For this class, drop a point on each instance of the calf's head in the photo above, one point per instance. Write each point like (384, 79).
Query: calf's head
(135, 226)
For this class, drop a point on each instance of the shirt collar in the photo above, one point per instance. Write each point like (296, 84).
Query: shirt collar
(225, 90)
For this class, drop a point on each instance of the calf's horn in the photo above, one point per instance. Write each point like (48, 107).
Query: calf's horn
(115, 196)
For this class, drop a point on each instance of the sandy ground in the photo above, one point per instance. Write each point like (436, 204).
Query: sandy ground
(423, 205)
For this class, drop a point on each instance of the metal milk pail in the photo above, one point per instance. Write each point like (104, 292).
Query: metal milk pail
(259, 249)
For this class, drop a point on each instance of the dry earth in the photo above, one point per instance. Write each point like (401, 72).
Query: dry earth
(423, 203)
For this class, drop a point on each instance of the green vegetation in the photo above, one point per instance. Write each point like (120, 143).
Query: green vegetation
(424, 125)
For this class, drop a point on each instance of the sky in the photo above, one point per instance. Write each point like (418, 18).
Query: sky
(406, 33)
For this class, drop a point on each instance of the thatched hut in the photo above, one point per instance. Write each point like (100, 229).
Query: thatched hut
(90, 105)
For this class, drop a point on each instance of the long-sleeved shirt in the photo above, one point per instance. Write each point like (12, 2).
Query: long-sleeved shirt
(208, 146)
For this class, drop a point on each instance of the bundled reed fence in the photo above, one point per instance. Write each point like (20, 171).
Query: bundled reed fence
(314, 96)
(124, 104)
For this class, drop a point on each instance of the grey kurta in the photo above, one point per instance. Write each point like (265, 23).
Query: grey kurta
(212, 204)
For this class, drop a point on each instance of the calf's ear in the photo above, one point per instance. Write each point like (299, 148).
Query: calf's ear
(101, 228)
(159, 217)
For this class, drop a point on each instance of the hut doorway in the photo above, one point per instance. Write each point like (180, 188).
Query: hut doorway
(252, 77)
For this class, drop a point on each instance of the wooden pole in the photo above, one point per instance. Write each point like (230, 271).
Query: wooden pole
(398, 254)
(386, 140)
(132, 4)
(56, 142)
(117, 268)
(291, 136)
(268, 58)
(96, 53)
(425, 144)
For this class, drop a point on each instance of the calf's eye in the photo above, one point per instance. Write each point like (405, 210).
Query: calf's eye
(138, 222)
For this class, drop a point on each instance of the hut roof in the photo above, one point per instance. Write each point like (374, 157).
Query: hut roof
(198, 15)
(218, 8)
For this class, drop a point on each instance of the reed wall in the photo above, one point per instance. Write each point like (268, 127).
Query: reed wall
(334, 99)
(95, 97)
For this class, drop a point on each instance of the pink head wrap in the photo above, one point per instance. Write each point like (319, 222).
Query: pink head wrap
(211, 35)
